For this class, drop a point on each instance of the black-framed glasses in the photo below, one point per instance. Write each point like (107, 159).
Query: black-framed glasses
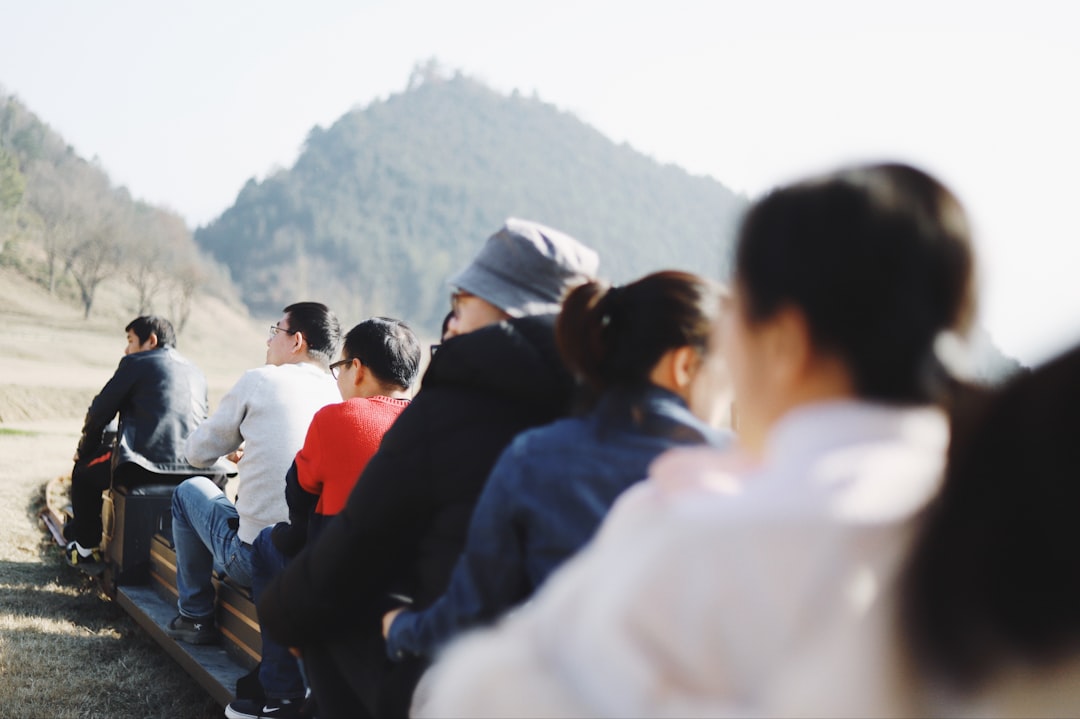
(335, 367)
(274, 329)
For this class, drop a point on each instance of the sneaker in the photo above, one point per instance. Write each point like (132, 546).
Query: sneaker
(88, 560)
(193, 631)
(276, 708)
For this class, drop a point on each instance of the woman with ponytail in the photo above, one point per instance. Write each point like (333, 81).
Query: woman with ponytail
(763, 585)
(639, 352)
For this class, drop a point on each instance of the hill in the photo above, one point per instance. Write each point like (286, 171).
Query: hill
(384, 205)
(54, 360)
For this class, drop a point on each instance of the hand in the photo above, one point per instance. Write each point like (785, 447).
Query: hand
(235, 456)
(295, 651)
(388, 619)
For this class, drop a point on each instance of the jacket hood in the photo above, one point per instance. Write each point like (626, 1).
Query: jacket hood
(513, 358)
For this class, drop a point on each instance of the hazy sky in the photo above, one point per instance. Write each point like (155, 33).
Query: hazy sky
(183, 102)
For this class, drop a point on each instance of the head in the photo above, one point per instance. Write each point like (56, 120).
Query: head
(657, 330)
(380, 356)
(843, 283)
(149, 332)
(306, 332)
(992, 579)
(523, 269)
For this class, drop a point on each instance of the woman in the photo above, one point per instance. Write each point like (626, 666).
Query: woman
(992, 591)
(639, 349)
(757, 585)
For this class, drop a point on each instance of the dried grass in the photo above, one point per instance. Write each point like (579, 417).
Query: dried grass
(66, 650)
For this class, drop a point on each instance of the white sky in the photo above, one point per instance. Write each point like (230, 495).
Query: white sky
(183, 102)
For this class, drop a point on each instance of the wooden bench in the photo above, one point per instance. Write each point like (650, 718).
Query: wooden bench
(215, 667)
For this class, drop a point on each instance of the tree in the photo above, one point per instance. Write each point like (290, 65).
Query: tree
(98, 252)
(155, 238)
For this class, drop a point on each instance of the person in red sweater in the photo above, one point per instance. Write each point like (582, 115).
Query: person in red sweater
(379, 362)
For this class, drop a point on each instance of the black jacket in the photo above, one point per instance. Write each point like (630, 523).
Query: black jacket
(161, 397)
(408, 515)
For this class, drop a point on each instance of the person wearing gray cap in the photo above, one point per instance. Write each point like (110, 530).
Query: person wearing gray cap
(406, 521)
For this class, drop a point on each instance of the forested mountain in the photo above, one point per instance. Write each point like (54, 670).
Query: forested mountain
(383, 206)
(64, 225)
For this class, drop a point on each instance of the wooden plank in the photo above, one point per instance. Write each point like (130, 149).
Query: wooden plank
(210, 665)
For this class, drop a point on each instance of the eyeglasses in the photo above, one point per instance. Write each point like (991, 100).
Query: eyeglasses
(335, 367)
(274, 329)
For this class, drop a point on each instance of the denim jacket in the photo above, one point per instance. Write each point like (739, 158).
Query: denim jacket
(543, 501)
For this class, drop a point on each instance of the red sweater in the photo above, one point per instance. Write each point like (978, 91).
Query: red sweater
(340, 441)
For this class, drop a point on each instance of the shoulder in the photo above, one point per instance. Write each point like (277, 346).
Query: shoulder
(563, 433)
(516, 358)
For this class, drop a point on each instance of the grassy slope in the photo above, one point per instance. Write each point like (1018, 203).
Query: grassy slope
(66, 651)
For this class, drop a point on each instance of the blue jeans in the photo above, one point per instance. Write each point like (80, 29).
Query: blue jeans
(279, 672)
(205, 540)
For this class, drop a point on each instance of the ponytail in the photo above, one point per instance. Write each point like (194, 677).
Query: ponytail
(613, 336)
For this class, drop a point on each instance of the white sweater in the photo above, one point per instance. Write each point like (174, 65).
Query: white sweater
(268, 411)
(718, 588)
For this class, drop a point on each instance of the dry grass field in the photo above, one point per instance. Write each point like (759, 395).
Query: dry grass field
(65, 649)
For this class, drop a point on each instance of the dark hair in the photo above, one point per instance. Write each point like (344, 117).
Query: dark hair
(878, 260)
(614, 336)
(445, 325)
(320, 328)
(146, 325)
(993, 579)
(388, 348)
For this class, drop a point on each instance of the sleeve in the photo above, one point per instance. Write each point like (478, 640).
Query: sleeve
(490, 575)
(612, 629)
(309, 460)
(359, 548)
(104, 407)
(290, 537)
(220, 433)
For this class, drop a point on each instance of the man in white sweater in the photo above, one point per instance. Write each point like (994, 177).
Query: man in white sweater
(262, 419)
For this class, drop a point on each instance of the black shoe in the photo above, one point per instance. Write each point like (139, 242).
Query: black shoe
(193, 631)
(90, 563)
(271, 708)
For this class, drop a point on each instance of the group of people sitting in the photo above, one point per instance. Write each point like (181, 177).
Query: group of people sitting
(665, 498)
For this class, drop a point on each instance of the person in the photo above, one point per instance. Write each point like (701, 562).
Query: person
(639, 348)
(266, 415)
(990, 596)
(404, 524)
(380, 358)
(160, 398)
(755, 583)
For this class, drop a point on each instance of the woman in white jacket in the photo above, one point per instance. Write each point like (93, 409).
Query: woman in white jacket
(757, 583)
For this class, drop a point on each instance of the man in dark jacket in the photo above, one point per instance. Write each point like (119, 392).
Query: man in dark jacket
(160, 397)
(407, 518)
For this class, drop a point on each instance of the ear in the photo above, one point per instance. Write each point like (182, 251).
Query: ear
(151, 341)
(299, 342)
(789, 343)
(360, 373)
(684, 364)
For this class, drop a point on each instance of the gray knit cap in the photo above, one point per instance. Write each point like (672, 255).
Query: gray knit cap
(525, 268)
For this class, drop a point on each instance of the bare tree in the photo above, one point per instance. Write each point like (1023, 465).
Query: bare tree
(51, 196)
(99, 250)
(148, 253)
(187, 278)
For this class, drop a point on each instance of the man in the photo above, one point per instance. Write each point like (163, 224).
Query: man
(406, 520)
(262, 420)
(160, 397)
(379, 362)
